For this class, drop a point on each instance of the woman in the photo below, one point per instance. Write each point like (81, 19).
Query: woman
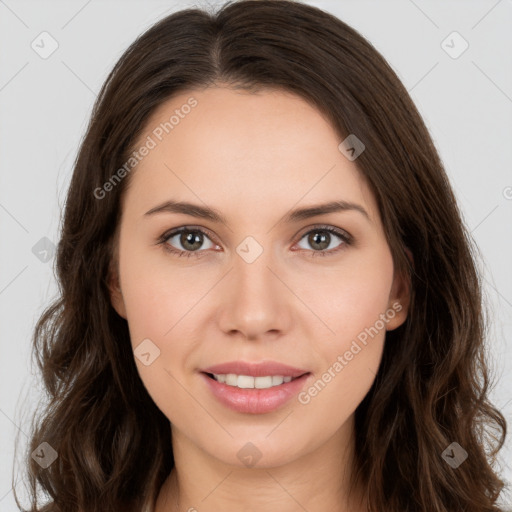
(242, 372)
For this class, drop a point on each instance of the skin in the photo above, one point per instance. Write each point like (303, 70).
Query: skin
(254, 157)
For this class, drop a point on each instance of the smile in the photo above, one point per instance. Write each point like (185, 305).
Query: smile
(248, 382)
(254, 395)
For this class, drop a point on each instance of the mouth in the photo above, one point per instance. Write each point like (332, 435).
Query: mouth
(250, 382)
(254, 395)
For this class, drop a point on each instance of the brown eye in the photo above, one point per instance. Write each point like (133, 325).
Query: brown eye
(323, 240)
(186, 241)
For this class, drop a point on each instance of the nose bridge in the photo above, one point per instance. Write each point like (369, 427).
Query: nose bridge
(252, 265)
(255, 302)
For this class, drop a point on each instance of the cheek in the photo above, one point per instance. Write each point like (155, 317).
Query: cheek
(355, 307)
(350, 298)
(158, 299)
(157, 294)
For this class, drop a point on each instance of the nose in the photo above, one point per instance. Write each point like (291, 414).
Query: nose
(254, 299)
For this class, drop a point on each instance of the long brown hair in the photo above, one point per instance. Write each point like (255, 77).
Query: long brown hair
(113, 443)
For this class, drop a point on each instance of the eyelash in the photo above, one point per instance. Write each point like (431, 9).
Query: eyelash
(343, 235)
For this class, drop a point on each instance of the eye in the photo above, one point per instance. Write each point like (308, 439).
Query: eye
(187, 241)
(190, 239)
(321, 238)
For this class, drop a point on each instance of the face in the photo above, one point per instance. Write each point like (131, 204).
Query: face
(261, 285)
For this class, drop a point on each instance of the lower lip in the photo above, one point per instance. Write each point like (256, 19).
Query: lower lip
(252, 400)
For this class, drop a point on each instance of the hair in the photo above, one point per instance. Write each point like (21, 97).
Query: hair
(113, 443)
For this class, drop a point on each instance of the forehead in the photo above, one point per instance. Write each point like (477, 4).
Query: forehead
(233, 148)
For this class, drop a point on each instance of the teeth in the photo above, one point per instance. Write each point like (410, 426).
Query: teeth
(247, 382)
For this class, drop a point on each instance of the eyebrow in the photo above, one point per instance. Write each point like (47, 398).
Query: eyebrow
(205, 212)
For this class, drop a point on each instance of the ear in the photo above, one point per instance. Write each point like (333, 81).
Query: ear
(116, 295)
(400, 297)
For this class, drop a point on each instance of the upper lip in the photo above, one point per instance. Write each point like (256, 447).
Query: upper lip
(260, 369)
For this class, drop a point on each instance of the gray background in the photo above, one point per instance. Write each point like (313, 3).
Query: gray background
(45, 104)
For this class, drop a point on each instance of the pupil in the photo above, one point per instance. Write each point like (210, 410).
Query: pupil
(323, 239)
(193, 238)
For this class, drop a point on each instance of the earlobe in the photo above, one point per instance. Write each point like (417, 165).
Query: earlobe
(400, 297)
